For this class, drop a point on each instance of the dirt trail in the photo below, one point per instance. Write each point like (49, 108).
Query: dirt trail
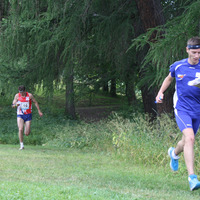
(96, 113)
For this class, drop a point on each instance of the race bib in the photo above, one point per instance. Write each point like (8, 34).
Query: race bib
(24, 105)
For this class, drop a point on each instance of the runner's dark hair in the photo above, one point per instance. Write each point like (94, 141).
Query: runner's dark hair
(194, 41)
(21, 88)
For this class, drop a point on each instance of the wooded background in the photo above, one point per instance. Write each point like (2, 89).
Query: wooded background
(118, 46)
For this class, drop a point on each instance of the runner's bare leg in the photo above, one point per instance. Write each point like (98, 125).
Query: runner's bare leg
(20, 123)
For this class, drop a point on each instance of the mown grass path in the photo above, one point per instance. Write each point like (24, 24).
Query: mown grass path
(44, 173)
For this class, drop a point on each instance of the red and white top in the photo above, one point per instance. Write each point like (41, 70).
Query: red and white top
(25, 106)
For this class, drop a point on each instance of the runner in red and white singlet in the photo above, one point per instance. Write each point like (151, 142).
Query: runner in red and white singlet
(25, 104)
(23, 101)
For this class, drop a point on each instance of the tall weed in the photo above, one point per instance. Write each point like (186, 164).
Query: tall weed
(142, 140)
(80, 134)
(136, 138)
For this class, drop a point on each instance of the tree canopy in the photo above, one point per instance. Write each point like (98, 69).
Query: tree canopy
(51, 43)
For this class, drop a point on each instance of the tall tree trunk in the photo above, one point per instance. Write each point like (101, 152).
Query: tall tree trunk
(105, 87)
(1, 10)
(130, 89)
(4, 7)
(167, 105)
(148, 98)
(70, 106)
(113, 88)
(151, 16)
(150, 13)
(130, 93)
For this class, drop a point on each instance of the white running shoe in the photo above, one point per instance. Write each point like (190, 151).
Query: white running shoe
(193, 182)
(21, 148)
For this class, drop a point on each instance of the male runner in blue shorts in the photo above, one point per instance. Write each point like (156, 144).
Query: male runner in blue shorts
(186, 106)
(23, 101)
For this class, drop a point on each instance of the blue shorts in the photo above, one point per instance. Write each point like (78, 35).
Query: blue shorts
(187, 120)
(26, 118)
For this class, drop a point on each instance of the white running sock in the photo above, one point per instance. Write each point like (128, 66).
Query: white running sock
(174, 155)
(21, 144)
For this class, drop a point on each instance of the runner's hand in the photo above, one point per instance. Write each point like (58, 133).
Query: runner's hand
(159, 98)
(40, 113)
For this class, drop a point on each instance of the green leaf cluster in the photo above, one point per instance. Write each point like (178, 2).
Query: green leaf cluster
(42, 40)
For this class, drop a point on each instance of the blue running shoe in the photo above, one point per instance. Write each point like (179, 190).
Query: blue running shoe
(173, 162)
(193, 182)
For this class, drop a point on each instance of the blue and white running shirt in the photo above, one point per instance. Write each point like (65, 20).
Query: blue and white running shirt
(186, 98)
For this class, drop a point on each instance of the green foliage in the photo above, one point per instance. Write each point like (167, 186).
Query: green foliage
(43, 43)
(137, 136)
(42, 40)
(77, 135)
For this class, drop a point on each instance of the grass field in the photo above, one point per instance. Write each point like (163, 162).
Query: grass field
(45, 173)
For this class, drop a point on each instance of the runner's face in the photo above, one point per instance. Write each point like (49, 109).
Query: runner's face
(23, 93)
(193, 56)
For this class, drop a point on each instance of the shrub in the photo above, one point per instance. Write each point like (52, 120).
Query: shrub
(144, 141)
(135, 138)
(79, 135)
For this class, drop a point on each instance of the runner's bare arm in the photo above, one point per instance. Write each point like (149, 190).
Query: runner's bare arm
(36, 104)
(168, 80)
(14, 103)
